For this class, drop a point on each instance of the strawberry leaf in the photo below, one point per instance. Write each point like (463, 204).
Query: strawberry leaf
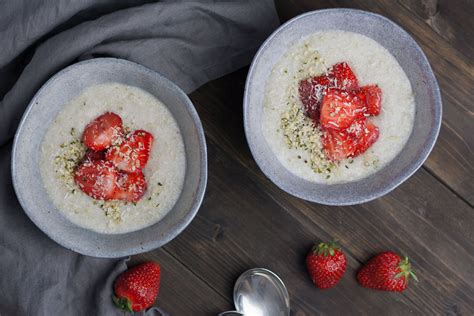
(325, 249)
(123, 303)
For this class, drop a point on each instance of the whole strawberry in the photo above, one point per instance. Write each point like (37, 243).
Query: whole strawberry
(326, 264)
(137, 288)
(387, 272)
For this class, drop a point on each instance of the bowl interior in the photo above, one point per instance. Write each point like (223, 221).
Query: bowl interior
(43, 109)
(412, 60)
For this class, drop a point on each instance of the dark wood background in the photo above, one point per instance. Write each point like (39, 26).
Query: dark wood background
(246, 221)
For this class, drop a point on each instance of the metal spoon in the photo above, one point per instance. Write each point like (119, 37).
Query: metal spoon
(260, 292)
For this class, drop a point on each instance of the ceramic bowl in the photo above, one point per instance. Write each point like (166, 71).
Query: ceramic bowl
(44, 107)
(413, 61)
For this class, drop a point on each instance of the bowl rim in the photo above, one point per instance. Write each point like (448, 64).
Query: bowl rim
(154, 243)
(400, 178)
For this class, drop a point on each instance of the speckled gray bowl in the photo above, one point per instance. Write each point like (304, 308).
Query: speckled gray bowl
(414, 63)
(44, 107)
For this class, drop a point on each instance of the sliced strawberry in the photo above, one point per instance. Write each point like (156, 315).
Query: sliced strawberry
(94, 155)
(103, 131)
(311, 92)
(130, 187)
(342, 77)
(372, 97)
(96, 179)
(337, 144)
(351, 142)
(369, 135)
(356, 130)
(339, 109)
(132, 154)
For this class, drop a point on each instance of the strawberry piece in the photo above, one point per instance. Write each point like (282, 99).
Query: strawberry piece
(137, 288)
(387, 272)
(369, 135)
(132, 154)
(339, 109)
(350, 142)
(313, 89)
(372, 97)
(103, 131)
(326, 264)
(342, 77)
(337, 144)
(96, 179)
(94, 155)
(311, 92)
(130, 187)
(356, 130)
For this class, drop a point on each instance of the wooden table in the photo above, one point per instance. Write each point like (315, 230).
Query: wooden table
(246, 221)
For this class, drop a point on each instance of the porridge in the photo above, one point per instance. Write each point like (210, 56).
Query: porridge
(113, 160)
(337, 107)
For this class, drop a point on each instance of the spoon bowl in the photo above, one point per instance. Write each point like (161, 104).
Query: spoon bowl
(260, 292)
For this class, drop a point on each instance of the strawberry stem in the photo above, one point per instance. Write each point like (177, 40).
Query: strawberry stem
(405, 270)
(326, 249)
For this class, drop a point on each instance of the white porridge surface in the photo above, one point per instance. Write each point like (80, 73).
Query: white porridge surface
(372, 64)
(164, 172)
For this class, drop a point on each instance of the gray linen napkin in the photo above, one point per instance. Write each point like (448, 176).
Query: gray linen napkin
(190, 42)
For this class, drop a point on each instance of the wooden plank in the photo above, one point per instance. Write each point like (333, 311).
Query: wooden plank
(182, 292)
(451, 161)
(452, 20)
(446, 235)
(251, 236)
(272, 229)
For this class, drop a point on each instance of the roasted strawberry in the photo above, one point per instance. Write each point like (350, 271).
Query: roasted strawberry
(342, 77)
(130, 187)
(132, 154)
(96, 179)
(94, 155)
(337, 144)
(370, 134)
(357, 128)
(311, 92)
(102, 132)
(339, 108)
(350, 142)
(372, 97)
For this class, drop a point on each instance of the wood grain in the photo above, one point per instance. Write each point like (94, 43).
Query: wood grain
(424, 205)
(451, 20)
(246, 221)
(182, 292)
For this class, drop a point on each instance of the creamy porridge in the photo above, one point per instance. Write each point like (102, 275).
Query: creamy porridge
(62, 149)
(292, 135)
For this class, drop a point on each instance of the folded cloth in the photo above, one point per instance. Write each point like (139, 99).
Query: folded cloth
(190, 42)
